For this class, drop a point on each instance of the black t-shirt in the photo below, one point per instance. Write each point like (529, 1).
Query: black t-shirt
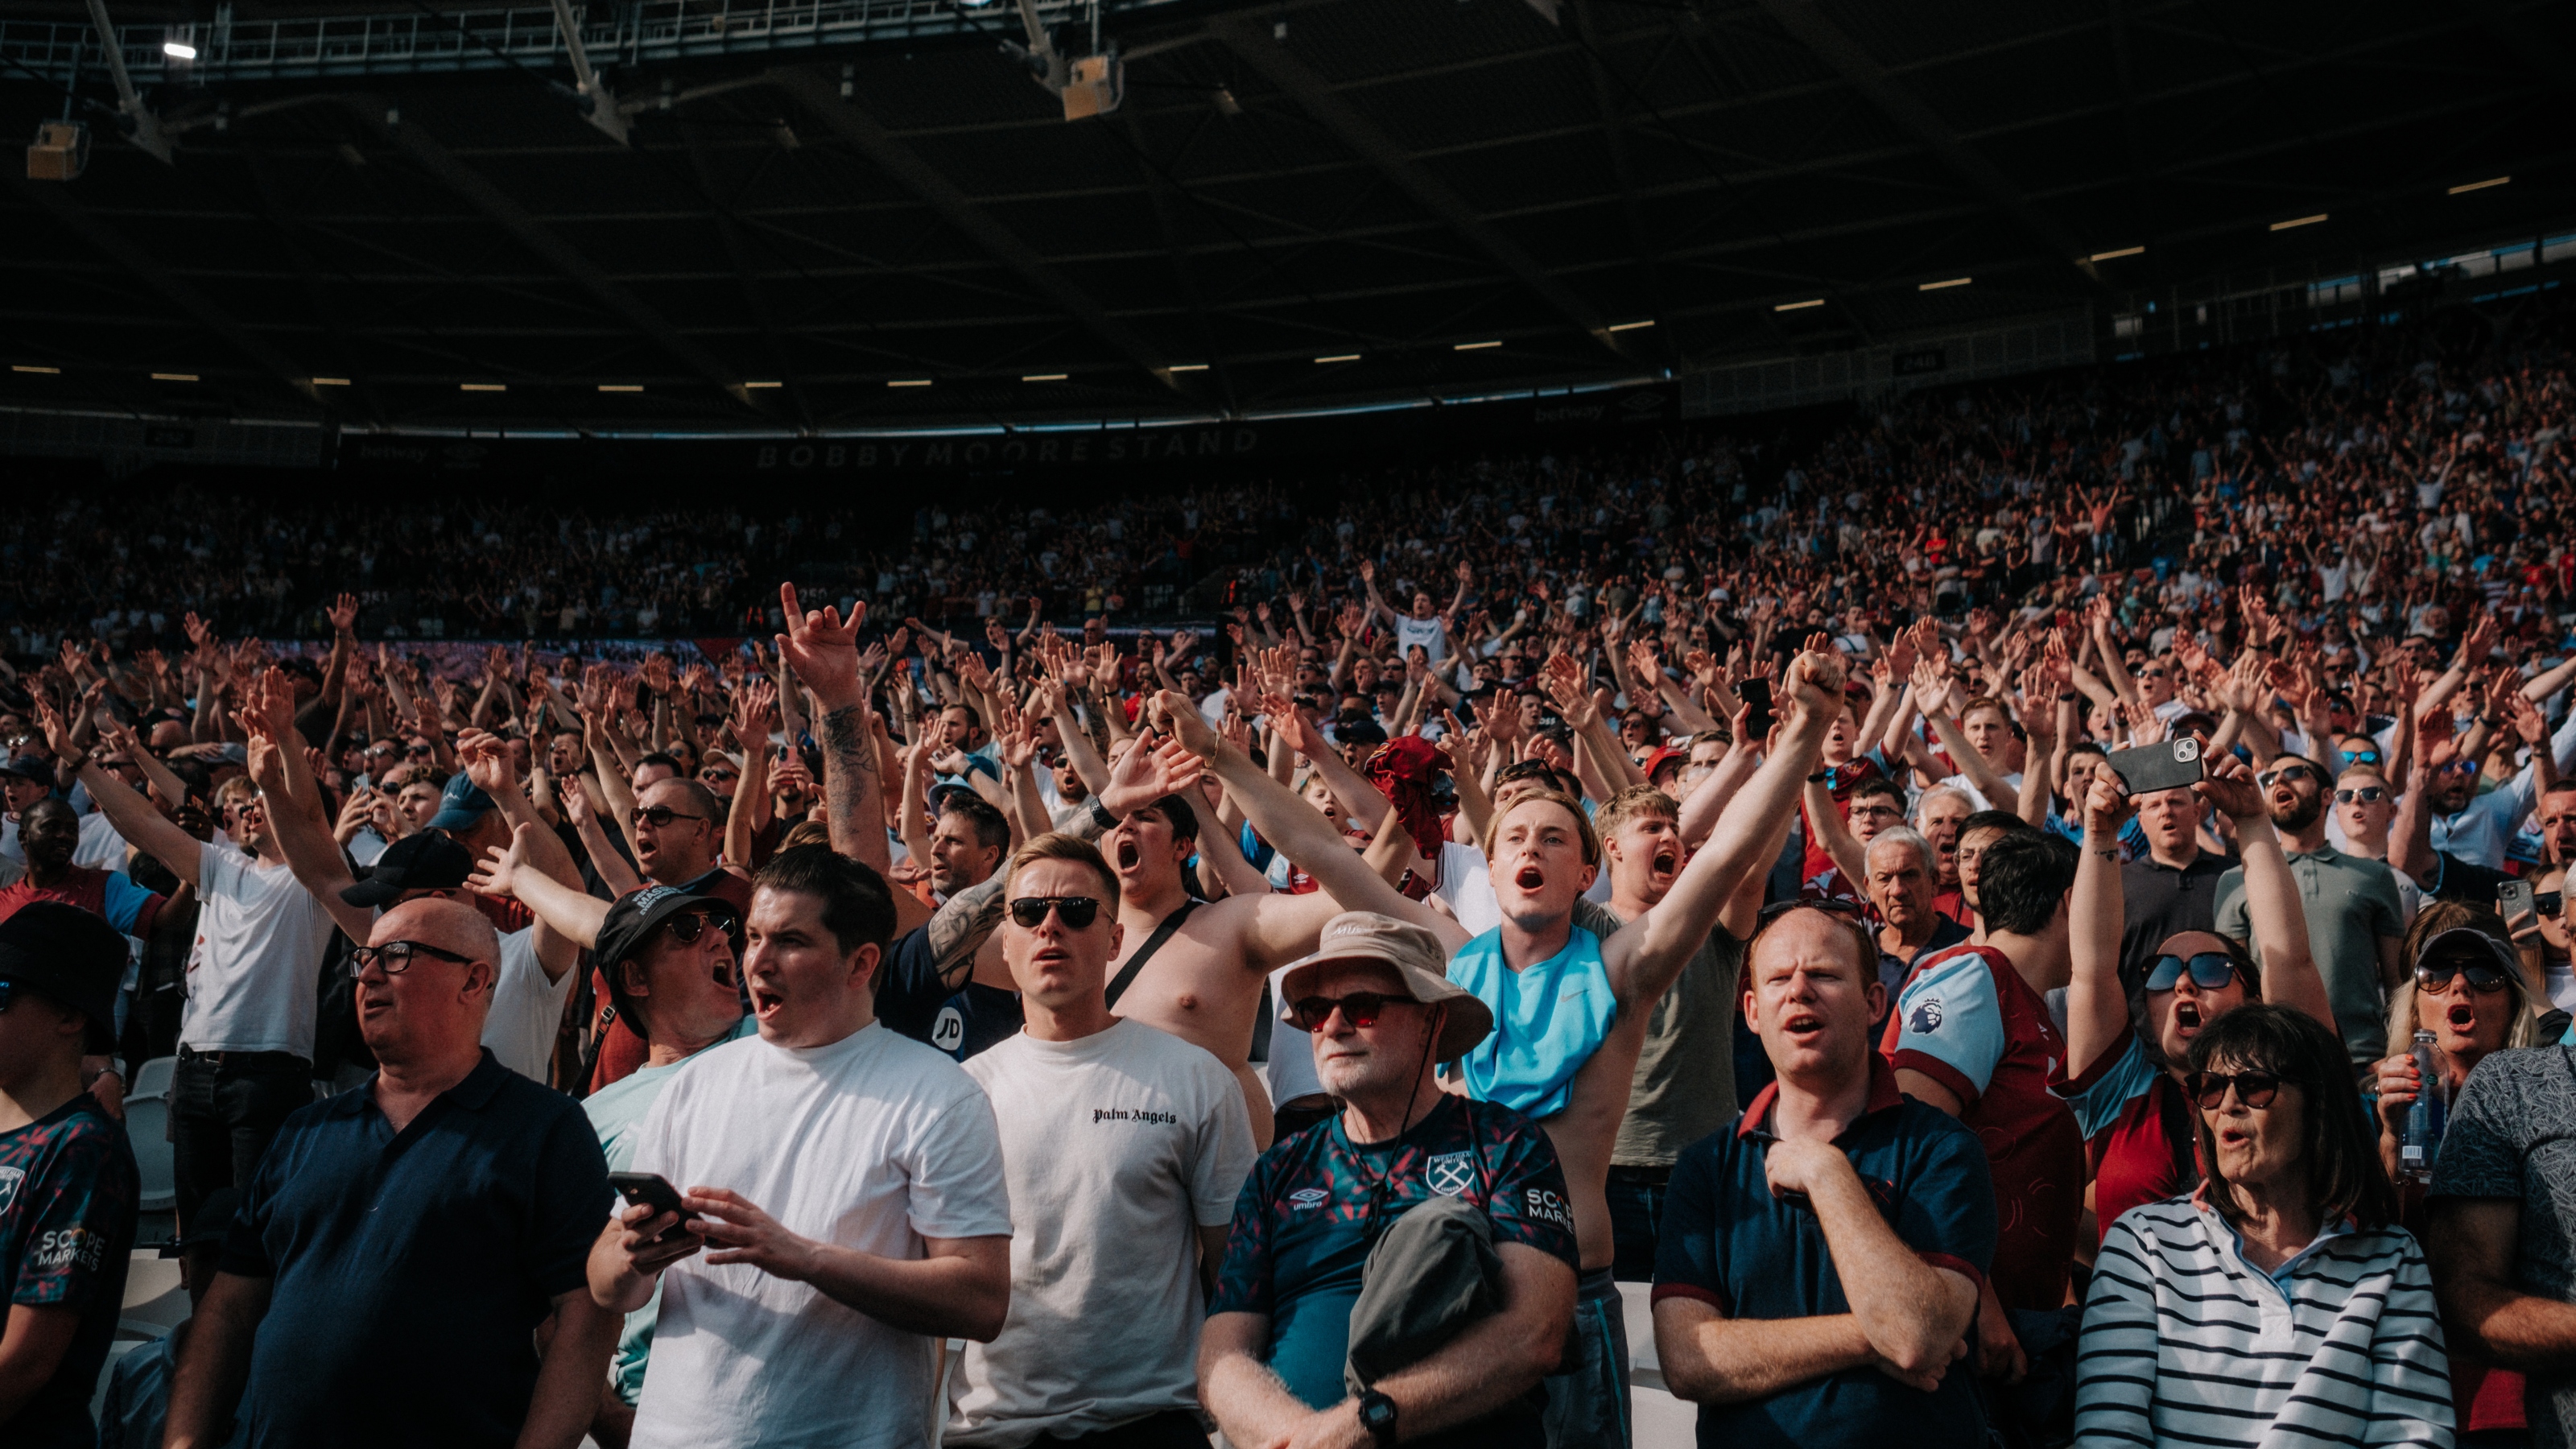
(68, 1189)
(955, 1013)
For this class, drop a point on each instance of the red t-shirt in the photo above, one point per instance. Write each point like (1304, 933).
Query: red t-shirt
(2137, 1129)
(1966, 1019)
(109, 895)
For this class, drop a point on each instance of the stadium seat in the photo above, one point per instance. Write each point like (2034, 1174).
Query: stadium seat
(147, 1127)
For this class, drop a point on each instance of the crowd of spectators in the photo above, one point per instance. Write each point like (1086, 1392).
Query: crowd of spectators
(2033, 914)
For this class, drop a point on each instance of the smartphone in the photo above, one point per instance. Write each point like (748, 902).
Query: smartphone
(2515, 897)
(1757, 693)
(648, 1189)
(2149, 768)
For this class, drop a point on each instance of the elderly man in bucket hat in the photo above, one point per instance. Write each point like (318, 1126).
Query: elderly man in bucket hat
(1408, 1261)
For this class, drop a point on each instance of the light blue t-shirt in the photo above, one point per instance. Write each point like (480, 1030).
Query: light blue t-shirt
(615, 1111)
(1548, 1020)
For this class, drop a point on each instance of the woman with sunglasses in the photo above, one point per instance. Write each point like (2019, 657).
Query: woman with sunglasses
(2124, 1053)
(2468, 990)
(2280, 1301)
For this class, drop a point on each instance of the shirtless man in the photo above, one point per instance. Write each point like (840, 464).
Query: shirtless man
(1543, 857)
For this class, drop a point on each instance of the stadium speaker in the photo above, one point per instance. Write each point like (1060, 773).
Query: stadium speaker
(60, 152)
(1096, 86)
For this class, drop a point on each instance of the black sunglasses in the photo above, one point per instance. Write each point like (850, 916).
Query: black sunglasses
(2254, 1089)
(2366, 794)
(661, 816)
(395, 956)
(1360, 1008)
(8, 994)
(2210, 971)
(2291, 773)
(2484, 976)
(1077, 912)
(2548, 903)
(688, 926)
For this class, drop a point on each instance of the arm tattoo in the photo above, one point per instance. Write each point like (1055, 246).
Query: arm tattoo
(849, 776)
(958, 931)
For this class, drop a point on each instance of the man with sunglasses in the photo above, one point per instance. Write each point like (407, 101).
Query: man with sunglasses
(413, 1321)
(2355, 916)
(678, 832)
(1112, 1133)
(2365, 806)
(1304, 1291)
(2477, 828)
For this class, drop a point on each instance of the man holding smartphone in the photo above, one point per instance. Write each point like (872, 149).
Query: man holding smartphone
(2355, 918)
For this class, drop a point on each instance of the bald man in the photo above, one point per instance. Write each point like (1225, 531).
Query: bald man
(411, 1322)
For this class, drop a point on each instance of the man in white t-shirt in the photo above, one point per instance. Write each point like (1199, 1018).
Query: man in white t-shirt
(246, 1031)
(1125, 1147)
(846, 1183)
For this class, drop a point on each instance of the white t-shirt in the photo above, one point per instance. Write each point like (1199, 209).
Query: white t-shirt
(1290, 1071)
(1431, 634)
(873, 1143)
(1117, 1147)
(254, 971)
(526, 1008)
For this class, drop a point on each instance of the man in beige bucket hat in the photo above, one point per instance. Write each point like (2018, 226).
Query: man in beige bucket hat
(1409, 1260)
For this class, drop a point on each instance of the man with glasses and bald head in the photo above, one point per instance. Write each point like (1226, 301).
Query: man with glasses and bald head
(399, 1248)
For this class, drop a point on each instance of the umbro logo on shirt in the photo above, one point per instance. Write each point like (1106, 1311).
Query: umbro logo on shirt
(1308, 1197)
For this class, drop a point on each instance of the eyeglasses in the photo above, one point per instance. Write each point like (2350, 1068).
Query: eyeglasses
(2456, 767)
(2210, 971)
(2359, 757)
(1360, 1008)
(395, 957)
(716, 776)
(2366, 794)
(2547, 903)
(2484, 976)
(661, 816)
(2254, 1089)
(2291, 773)
(1077, 912)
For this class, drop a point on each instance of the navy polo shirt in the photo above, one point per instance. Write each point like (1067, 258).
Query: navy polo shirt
(409, 1269)
(1729, 1243)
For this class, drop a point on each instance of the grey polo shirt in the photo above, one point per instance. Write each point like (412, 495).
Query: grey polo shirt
(2351, 902)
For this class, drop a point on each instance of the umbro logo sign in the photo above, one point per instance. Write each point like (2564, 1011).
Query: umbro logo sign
(1308, 1197)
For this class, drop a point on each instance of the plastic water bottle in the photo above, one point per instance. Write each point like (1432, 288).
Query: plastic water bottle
(2425, 1119)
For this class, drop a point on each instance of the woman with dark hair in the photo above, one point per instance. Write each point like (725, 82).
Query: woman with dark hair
(2123, 1056)
(2279, 1301)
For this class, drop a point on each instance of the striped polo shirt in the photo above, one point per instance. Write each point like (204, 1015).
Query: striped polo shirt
(2186, 1342)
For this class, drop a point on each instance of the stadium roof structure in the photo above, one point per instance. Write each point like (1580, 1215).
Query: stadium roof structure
(819, 215)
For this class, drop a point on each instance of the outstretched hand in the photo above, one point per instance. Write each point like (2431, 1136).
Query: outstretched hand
(822, 648)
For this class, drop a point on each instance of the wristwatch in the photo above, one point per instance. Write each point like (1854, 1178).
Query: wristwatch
(1100, 815)
(1377, 1415)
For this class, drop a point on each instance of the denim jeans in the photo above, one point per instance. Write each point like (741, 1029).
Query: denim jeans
(1636, 1215)
(223, 1115)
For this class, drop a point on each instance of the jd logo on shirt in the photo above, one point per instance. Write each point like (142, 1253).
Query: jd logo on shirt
(1449, 1173)
(1926, 1018)
(948, 1030)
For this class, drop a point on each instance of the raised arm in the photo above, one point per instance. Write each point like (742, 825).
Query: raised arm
(1300, 831)
(824, 652)
(2097, 1007)
(560, 907)
(2272, 909)
(145, 828)
(1643, 957)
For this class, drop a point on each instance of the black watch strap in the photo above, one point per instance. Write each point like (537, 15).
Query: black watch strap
(1100, 815)
(1377, 1415)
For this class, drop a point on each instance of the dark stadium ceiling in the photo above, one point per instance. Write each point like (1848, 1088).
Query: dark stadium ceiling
(1386, 181)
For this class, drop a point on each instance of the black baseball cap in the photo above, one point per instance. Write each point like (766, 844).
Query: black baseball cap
(634, 917)
(70, 956)
(428, 861)
(35, 768)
